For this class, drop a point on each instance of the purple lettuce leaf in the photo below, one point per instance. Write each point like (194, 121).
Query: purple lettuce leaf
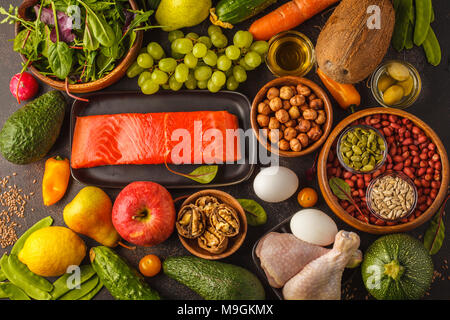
(65, 24)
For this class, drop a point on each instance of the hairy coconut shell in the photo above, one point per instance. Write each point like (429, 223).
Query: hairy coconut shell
(347, 50)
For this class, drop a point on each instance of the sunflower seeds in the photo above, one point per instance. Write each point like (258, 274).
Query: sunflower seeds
(392, 197)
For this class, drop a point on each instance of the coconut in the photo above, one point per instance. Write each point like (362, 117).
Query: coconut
(351, 46)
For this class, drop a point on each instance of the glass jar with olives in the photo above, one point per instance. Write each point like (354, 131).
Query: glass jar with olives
(361, 149)
(396, 84)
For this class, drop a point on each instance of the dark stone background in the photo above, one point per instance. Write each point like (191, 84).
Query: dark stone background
(433, 107)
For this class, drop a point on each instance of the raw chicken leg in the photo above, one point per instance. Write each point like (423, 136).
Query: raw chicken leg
(283, 255)
(321, 278)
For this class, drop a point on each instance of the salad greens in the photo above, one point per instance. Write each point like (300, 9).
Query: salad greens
(77, 41)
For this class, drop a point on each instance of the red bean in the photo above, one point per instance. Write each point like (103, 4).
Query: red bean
(347, 175)
(367, 177)
(385, 123)
(428, 177)
(398, 159)
(423, 156)
(387, 131)
(431, 146)
(406, 121)
(392, 118)
(361, 194)
(433, 193)
(395, 125)
(360, 183)
(350, 183)
(380, 222)
(421, 200)
(417, 183)
(438, 166)
(421, 172)
(389, 166)
(338, 172)
(435, 184)
(423, 207)
(429, 201)
(425, 183)
(423, 164)
(407, 162)
(435, 157)
(398, 166)
(408, 171)
(426, 190)
(416, 130)
(413, 147)
(376, 174)
(421, 139)
(407, 141)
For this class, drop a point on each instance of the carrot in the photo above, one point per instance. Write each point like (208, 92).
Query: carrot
(288, 16)
(345, 94)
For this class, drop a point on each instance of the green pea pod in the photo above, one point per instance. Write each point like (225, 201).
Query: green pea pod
(84, 289)
(432, 48)
(409, 37)
(46, 222)
(60, 285)
(22, 283)
(9, 290)
(22, 271)
(401, 24)
(423, 19)
(2, 275)
(93, 292)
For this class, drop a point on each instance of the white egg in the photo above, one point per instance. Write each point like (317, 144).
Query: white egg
(314, 226)
(275, 184)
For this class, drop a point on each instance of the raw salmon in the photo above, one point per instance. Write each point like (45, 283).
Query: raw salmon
(150, 138)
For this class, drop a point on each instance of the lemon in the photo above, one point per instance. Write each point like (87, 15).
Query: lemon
(50, 251)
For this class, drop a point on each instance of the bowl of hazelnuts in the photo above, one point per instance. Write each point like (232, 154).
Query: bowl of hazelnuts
(291, 116)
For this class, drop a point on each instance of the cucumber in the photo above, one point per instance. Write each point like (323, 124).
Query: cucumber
(229, 12)
(122, 281)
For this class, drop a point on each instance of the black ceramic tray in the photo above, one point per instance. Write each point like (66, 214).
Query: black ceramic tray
(283, 227)
(119, 176)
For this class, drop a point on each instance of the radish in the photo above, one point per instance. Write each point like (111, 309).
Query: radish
(23, 86)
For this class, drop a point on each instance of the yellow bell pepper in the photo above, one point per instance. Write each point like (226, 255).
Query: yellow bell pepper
(56, 179)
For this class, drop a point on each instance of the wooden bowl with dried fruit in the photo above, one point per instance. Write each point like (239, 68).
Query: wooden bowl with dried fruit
(211, 224)
(291, 116)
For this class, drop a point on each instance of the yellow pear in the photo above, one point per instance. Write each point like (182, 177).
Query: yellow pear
(89, 213)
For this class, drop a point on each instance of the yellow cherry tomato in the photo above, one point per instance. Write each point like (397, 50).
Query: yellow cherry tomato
(307, 197)
(150, 265)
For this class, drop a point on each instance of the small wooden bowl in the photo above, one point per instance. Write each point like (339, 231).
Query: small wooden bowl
(292, 81)
(234, 243)
(332, 201)
(115, 75)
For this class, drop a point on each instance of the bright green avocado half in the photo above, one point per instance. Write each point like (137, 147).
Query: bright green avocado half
(30, 132)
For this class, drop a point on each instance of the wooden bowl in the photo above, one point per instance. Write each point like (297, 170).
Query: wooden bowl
(292, 81)
(234, 243)
(332, 201)
(115, 75)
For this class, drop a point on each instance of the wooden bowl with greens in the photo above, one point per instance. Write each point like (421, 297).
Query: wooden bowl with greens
(90, 50)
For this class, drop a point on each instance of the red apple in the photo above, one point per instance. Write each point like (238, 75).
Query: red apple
(144, 213)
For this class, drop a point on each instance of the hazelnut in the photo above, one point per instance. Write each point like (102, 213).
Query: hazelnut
(303, 90)
(315, 133)
(283, 145)
(273, 93)
(291, 123)
(294, 113)
(286, 105)
(264, 108)
(290, 133)
(303, 125)
(282, 115)
(310, 114)
(295, 145)
(321, 117)
(304, 140)
(283, 127)
(312, 97)
(274, 135)
(275, 104)
(273, 123)
(263, 120)
(316, 103)
(286, 93)
(297, 100)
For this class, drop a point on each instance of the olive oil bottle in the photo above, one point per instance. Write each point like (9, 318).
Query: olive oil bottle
(290, 53)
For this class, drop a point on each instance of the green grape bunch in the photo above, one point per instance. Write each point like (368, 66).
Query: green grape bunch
(203, 62)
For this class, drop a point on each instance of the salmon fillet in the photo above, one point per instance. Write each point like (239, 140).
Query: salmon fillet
(149, 138)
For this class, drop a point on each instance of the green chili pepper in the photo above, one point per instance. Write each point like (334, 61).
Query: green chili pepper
(22, 283)
(9, 290)
(423, 19)
(84, 289)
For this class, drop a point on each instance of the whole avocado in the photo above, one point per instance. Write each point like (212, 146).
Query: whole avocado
(30, 132)
(214, 280)
(122, 281)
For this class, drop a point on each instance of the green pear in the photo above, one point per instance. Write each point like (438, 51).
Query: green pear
(89, 213)
(176, 14)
